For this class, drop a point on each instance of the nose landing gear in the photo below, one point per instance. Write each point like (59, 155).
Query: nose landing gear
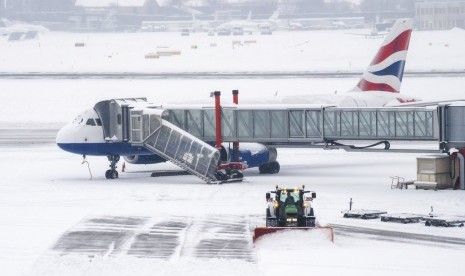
(112, 173)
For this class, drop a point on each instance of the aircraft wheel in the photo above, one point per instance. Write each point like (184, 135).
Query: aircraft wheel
(113, 174)
(269, 168)
(107, 174)
(264, 169)
(274, 167)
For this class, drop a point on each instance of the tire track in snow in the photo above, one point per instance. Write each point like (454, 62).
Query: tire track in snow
(217, 236)
(209, 237)
(389, 235)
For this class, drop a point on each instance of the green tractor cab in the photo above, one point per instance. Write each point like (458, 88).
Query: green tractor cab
(290, 209)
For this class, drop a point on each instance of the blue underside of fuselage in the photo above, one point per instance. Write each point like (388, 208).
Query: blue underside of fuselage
(125, 149)
(104, 149)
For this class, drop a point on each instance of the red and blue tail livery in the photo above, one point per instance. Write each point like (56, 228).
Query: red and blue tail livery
(387, 68)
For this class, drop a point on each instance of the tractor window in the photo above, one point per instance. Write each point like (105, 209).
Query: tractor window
(295, 196)
(285, 195)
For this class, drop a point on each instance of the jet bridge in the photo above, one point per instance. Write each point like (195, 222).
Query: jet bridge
(290, 126)
(183, 135)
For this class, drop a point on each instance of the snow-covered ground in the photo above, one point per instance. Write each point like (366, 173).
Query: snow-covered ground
(282, 51)
(55, 221)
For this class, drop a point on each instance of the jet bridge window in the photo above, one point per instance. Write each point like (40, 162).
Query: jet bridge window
(90, 122)
(98, 121)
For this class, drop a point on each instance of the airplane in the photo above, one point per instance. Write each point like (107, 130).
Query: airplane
(378, 86)
(194, 25)
(379, 30)
(17, 31)
(374, 33)
(249, 25)
(380, 83)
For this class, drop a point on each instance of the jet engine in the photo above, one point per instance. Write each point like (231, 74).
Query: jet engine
(255, 155)
(144, 159)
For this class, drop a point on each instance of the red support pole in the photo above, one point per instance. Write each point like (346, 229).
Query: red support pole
(218, 119)
(236, 144)
(235, 96)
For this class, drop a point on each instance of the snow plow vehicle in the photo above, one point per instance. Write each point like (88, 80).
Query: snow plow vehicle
(290, 209)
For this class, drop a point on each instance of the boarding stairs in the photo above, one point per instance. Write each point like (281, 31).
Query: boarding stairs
(161, 137)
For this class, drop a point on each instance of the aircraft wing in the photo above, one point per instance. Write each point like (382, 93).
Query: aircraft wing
(427, 103)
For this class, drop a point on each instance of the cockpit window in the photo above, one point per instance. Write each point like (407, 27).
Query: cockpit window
(90, 122)
(99, 122)
(78, 120)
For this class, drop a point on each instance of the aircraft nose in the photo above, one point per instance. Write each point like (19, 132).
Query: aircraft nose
(65, 135)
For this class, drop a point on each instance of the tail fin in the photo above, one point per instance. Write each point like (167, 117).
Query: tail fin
(274, 16)
(387, 68)
(249, 16)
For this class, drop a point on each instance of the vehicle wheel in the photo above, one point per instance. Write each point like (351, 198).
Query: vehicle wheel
(384, 219)
(221, 176)
(107, 174)
(310, 222)
(271, 223)
(346, 215)
(427, 223)
(237, 175)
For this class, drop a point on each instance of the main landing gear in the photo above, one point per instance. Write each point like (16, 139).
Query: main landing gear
(112, 173)
(269, 168)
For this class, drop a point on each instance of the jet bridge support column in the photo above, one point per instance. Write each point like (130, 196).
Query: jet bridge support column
(235, 144)
(218, 140)
(460, 155)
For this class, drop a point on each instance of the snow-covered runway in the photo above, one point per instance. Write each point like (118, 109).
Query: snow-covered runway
(58, 219)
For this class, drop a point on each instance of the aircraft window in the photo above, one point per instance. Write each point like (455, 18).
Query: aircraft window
(99, 122)
(78, 120)
(90, 122)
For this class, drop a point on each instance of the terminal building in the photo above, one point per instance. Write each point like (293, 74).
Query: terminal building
(440, 15)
